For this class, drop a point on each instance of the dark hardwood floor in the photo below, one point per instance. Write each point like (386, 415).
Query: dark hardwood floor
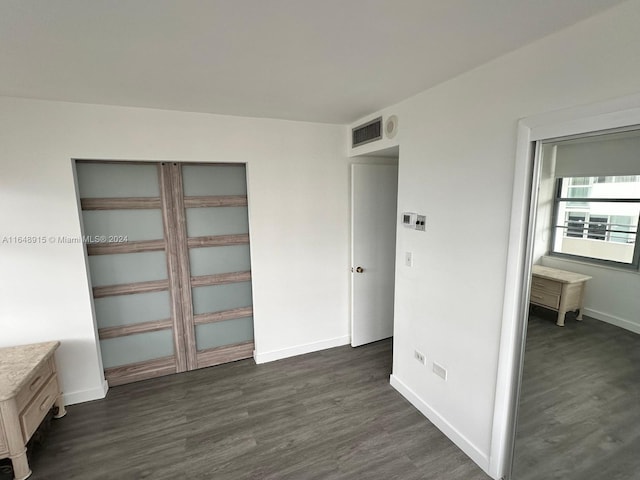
(579, 415)
(329, 415)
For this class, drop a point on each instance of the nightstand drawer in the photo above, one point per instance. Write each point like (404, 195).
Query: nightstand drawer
(549, 286)
(38, 408)
(25, 395)
(546, 299)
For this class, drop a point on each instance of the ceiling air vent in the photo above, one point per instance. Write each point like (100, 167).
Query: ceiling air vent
(368, 132)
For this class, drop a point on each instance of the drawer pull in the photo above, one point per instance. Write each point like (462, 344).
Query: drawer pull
(536, 296)
(34, 384)
(538, 284)
(43, 405)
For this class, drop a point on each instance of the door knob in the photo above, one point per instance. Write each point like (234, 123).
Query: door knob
(359, 269)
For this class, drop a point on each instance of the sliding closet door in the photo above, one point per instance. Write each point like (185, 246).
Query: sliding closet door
(168, 248)
(215, 263)
(134, 278)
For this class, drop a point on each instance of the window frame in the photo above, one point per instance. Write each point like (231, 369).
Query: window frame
(555, 228)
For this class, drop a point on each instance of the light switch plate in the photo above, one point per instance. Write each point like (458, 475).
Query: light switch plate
(408, 259)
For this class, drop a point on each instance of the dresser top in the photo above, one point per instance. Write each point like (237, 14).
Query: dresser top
(558, 275)
(19, 364)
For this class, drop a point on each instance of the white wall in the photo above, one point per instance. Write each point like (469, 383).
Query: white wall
(457, 150)
(298, 194)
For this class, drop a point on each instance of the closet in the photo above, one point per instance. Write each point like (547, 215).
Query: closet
(169, 261)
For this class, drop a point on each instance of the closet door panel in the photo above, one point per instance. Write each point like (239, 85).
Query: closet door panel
(127, 268)
(213, 260)
(122, 206)
(215, 210)
(216, 298)
(121, 180)
(220, 334)
(122, 310)
(142, 347)
(215, 180)
(216, 221)
(123, 225)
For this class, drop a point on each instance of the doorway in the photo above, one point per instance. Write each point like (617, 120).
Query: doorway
(169, 262)
(619, 113)
(585, 222)
(374, 193)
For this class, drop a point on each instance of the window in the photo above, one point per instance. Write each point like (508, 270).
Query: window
(597, 218)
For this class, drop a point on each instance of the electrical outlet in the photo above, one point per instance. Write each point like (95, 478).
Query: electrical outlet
(419, 356)
(421, 222)
(440, 371)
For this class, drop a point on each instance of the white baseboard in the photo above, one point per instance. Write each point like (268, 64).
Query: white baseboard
(477, 455)
(264, 357)
(71, 398)
(613, 320)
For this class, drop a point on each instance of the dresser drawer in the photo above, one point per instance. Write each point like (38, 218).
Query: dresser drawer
(547, 285)
(544, 298)
(29, 390)
(31, 417)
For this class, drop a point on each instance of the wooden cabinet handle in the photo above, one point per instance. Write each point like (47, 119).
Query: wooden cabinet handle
(35, 382)
(536, 296)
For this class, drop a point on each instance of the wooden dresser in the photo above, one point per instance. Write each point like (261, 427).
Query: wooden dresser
(29, 388)
(558, 290)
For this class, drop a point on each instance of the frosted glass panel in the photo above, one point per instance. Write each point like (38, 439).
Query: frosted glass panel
(96, 180)
(130, 309)
(212, 260)
(221, 297)
(218, 334)
(127, 268)
(214, 180)
(133, 224)
(136, 348)
(216, 221)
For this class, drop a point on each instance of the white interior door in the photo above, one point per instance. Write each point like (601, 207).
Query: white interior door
(374, 193)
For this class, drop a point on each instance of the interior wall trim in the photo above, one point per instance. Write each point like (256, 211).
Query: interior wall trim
(270, 356)
(467, 446)
(613, 320)
(82, 396)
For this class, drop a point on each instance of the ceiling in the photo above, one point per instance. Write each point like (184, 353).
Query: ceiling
(330, 61)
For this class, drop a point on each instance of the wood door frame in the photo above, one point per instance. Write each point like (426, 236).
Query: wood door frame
(617, 113)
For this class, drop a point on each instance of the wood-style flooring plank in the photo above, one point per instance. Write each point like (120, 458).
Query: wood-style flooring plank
(329, 415)
(579, 412)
